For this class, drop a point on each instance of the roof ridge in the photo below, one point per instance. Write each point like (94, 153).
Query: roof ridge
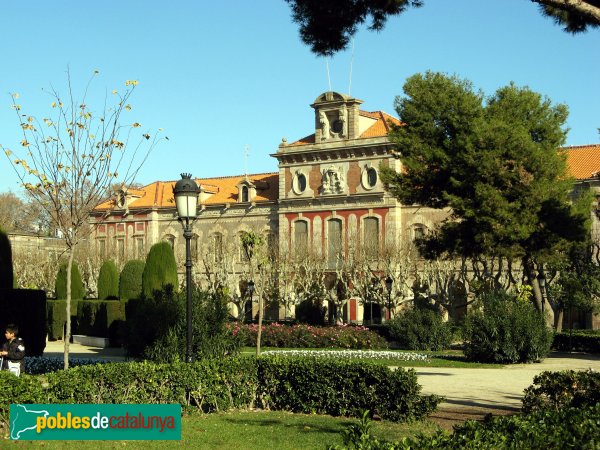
(574, 147)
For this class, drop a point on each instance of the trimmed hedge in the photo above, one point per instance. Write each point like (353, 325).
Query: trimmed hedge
(96, 317)
(307, 385)
(108, 281)
(60, 286)
(56, 318)
(582, 341)
(130, 281)
(27, 309)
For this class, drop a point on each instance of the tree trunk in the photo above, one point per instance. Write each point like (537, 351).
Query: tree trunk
(67, 336)
(558, 323)
(542, 305)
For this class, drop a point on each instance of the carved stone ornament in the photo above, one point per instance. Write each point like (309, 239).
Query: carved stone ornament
(332, 181)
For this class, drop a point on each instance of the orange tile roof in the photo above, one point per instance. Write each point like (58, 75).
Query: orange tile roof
(583, 161)
(224, 190)
(380, 128)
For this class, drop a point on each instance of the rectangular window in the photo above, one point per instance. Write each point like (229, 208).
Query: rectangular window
(301, 238)
(139, 248)
(371, 237)
(121, 249)
(102, 248)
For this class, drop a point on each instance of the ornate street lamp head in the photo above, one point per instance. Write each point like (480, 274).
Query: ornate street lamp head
(388, 283)
(186, 193)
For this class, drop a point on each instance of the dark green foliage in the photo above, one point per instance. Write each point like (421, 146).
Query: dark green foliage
(130, 281)
(108, 281)
(149, 319)
(345, 388)
(6, 267)
(420, 329)
(495, 162)
(60, 286)
(221, 384)
(311, 312)
(27, 309)
(560, 390)
(306, 336)
(95, 317)
(569, 428)
(580, 341)
(506, 330)
(56, 318)
(210, 336)
(160, 269)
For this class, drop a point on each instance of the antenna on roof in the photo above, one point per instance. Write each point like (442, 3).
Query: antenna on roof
(351, 64)
(246, 153)
(328, 77)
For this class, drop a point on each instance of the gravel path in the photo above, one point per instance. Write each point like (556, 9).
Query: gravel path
(473, 393)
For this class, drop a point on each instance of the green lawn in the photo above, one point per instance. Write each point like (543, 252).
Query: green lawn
(249, 430)
(448, 358)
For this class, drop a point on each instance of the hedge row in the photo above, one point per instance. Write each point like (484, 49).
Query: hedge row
(588, 342)
(57, 317)
(301, 385)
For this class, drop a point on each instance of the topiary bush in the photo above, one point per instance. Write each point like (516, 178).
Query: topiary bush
(108, 281)
(506, 330)
(587, 341)
(130, 281)
(60, 286)
(160, 269)
(6, 267)
(420, 329)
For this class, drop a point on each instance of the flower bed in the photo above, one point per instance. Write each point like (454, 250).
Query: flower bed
(35, 365)
(350, 354)
(307, 336)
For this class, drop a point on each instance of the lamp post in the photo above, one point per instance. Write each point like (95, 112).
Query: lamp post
(186, 193)
(388, 285)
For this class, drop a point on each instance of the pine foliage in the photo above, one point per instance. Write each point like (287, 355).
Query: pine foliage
(160, 269)
(108, 281)
(130, 282)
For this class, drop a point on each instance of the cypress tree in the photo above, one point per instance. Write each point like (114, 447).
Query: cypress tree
(108, 281)
(160, 269)
(60, 286)
(6, 267)
(130, 282)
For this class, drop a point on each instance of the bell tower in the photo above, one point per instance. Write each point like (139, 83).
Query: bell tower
(336, 117)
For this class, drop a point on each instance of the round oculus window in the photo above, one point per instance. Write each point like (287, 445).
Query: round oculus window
(338, 126)
(299, 184)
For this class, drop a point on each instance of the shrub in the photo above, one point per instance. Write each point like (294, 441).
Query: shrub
(22, 389)
(36, 365)
(306, 336)
(95, 317)
(341, 388)
(57, 317)
(60, 287)
(160, 269)
(210, 336)
(130, 281)
(420, 329)
(6, 267)
(580, 341)
(311, 312)
(558, 390)
(148, 319)
(568, 428)
(108, 281)
(506, 330)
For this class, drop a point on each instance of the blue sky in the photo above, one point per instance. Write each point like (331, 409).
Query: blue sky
(220, 76)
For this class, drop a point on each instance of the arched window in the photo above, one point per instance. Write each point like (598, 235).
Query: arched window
(334, 242)
(244, 193)
(170, 239)
(419, 231)
(371, 237)
(301, 237)
(216, 243)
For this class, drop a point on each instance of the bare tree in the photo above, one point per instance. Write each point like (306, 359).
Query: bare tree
(71, 159)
